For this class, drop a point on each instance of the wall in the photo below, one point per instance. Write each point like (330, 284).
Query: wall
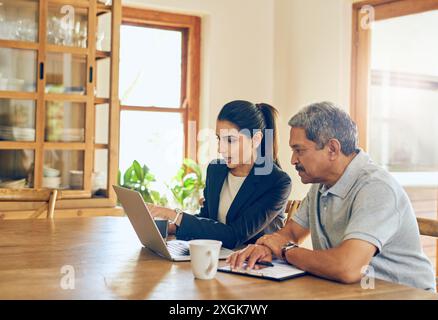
(286, 52)
(313, 50)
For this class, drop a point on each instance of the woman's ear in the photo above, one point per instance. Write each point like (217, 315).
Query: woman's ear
(257, 139)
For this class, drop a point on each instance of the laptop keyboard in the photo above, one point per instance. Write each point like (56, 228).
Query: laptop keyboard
(178, 248)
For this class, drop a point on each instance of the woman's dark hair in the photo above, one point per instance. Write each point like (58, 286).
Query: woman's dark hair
(254, 117)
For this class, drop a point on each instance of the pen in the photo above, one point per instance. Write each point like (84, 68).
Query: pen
(265, 263)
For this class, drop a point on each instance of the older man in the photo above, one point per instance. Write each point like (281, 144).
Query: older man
(357, 214)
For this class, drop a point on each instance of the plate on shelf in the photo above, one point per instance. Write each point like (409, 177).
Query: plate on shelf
(73, 134)
(13, 184)
(23, 134)
(17, 133)
(51, 182)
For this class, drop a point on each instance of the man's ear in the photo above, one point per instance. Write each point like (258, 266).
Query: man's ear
(334, 148)
(257, 139)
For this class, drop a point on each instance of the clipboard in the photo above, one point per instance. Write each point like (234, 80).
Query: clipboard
(280, 271)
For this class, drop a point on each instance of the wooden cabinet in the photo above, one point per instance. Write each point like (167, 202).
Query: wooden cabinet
(59, 107)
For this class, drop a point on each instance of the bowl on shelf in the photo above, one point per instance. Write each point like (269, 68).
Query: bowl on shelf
(76, 179)
(98, 180)
(6, 133)
(50, 172)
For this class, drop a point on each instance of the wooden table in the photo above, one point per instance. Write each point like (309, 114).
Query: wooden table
(109, 263)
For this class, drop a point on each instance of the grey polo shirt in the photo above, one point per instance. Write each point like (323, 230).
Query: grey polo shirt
(367, 203)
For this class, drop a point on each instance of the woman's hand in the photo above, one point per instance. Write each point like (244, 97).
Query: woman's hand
(161, 212)
(274, 242)
(171, 228)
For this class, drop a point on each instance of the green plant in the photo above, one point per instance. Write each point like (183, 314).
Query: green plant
(140, 178)
(187, 184)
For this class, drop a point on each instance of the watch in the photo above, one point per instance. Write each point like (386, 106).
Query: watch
(287, 247)
(178, 213)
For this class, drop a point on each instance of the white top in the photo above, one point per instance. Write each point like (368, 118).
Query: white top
(229, 191)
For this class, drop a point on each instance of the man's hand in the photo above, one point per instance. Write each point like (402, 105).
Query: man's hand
(252, 253)
(274, 242)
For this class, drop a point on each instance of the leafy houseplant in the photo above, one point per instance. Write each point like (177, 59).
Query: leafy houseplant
(187, 186)
(140, 178)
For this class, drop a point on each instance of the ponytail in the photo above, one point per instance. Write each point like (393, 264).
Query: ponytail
(270, 115)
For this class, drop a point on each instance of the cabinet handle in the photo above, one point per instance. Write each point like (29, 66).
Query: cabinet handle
(41, 70)
(91, 75)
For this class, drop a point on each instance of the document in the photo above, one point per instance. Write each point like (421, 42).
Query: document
(279, 271)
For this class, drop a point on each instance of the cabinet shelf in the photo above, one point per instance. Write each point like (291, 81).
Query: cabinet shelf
(77, 3)
(102, 9)
(65, 97)
(18, 95)
(59, 145)
(19, 44)
(101, 100)
(19, 145)
(66, 49)
(102, 54)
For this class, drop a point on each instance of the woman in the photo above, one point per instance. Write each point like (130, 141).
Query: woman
(246, 192)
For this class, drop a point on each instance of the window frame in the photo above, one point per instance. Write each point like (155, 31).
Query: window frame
(361, 53)
(190, 26)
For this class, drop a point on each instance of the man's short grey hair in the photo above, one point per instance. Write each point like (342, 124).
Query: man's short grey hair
(324, 121)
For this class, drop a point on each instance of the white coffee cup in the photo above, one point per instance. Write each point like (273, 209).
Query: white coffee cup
(204, 257)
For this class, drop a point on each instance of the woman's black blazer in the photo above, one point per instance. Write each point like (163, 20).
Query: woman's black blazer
(257, 209)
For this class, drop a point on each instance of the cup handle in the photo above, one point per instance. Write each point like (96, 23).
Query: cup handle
(211, 264)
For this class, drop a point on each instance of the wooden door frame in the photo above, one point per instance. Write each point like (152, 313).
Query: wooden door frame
(361, 51)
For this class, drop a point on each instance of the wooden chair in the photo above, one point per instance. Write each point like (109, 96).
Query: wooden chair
(429, 227)
(48, 206)
(291, 208)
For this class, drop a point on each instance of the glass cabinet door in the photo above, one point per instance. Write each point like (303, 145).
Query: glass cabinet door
(17, 120)
(101, 126)
(67, 25)
(99, 178)
(63, 169)
(19, 20)
(16, 170)
(18, 69)
(65, 121)
(66, 73)
(103, 32)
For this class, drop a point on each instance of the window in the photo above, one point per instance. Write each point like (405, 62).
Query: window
(158, 89)
(395, 95)
(395, 87)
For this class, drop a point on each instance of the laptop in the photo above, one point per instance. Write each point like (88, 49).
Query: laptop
(147, 231)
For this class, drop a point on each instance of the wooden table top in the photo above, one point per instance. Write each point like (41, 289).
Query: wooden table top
(109, 263)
